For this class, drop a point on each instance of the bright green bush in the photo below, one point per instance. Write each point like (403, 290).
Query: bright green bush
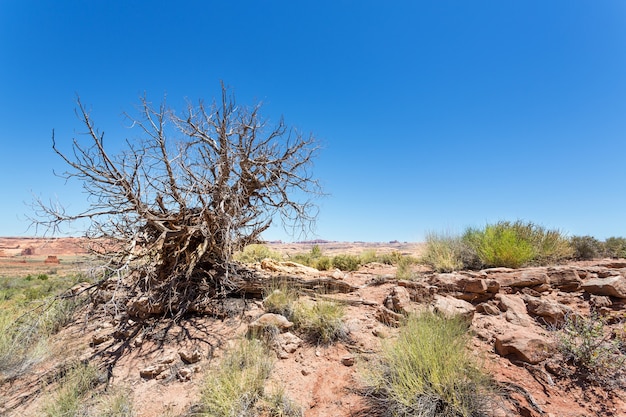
(346, 262)
(499, 245)
(428, 371)
(443, 252)
(256, 253)
(320, 321)
(237, 385)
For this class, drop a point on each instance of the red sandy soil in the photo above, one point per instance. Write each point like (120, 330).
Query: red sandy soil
(313, 376)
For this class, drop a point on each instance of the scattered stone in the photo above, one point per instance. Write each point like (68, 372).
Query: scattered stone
(551, 312)
(514, 309)
(269, 320)
(488, 308)
(285, 344)
(348, 360)
(143, 307)
(153, 371)
(523, 344)
(399, 300)
(451, 307)
(614, 286)
(565, 279)
(388, 317)
(521, 278)
(190, 356)
(599, 301)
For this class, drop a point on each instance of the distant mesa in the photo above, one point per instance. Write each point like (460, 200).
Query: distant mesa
(51, 259)
(27, 251)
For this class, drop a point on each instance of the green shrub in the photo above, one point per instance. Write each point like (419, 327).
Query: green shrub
(586, 247)
(428, 371)
(615, 247)
(403, 268)
(320, 321)
(256, 253)
(280, 299)
(443, 252)
(237, 385)
(500, 245)
(346, 262)
(280, 405)
(74, 386)
(586, 343)
(323, 263)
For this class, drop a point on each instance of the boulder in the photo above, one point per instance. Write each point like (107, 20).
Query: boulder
(461, 283)
(514, 309)
(524, 345)
(190, 356)
(614, 286)
(399, 300)
(551, 312)
(452, 307)
(564, 279)
(269, 320)
(520, 278)
(286, 343)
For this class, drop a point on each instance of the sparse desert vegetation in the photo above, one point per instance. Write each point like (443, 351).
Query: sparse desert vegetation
(380, 344)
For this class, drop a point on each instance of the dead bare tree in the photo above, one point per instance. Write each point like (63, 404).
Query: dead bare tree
(172, 208)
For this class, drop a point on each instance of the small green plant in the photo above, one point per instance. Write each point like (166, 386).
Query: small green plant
(443, 252)
(280, 405)
(615, 247)
(320, 321)
(428, 371)
(280, 299)
(586, 247)
(323, 263)
(115, 404)
(235, 388)
(42, 277)
(74, 386)
(500, 245)
(403, 268)
(589, 346)
(346, 262)
(256, 253)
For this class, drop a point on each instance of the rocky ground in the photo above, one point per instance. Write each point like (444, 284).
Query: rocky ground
(512, 314)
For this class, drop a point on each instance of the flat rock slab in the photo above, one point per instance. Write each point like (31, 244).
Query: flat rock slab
(614, 286)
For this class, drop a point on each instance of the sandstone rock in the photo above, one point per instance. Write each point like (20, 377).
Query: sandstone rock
(399, 300)
(288, 267)
(287, 343)
(461, 283)
(550, 312)
(388, 317)
(142, 307)
(153, 371)
(488, 308)
(269, 320)
(348, 360)
(451, 307)
(524, 345)
(514, 309)
(521, 278)
(100, 337)
(599, 301)
(601, 272)
(190, 356)
(614, 286)
(565, 279)
(51, 259)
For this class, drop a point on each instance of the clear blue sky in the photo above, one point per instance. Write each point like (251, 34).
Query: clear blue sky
(434, 115)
